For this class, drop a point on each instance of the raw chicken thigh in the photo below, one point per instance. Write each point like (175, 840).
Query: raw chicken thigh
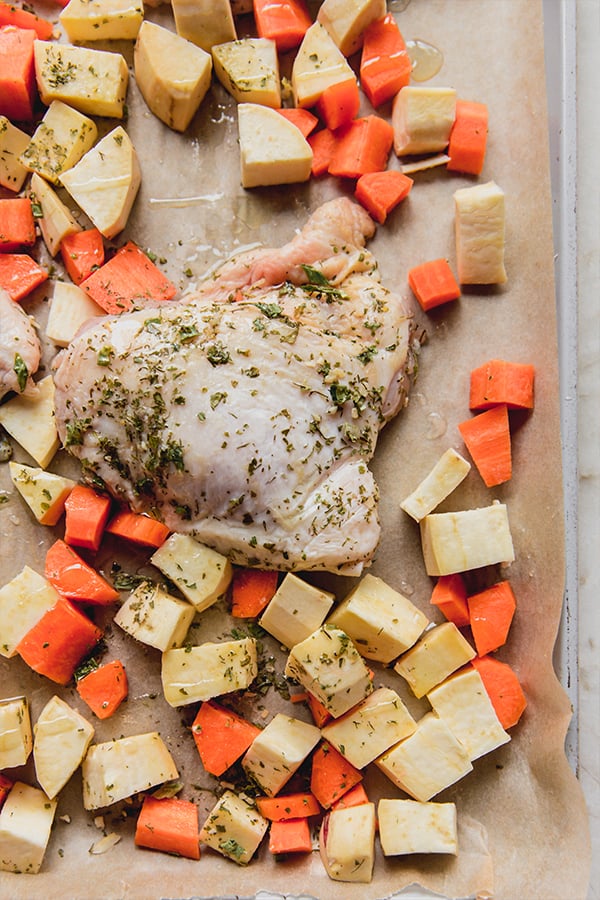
(20, 349)
(246, 414)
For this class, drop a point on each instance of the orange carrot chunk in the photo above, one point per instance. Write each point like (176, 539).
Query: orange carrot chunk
(74, 579)
(322, 143)
(18, 89)
(139, 529)
(433, 283)
(487, 438)
(129, 277)
(380, 192)
(363, 146)
(301, 118)
(169, 824)
(503, 688)
(104, 688)
(221, 736)
(58, 642)
(356, 796)
(498, 381)
(5, 787)
(490, 613)
(86, 515)
(21, 18)
(468, 138)
(332, 775)
(20, 274)
(17, 226)
(385, 66)
(339, 103)
(318, 711)
(82, 253)
(251, 591)
(288, 806)
(290, 836)
(450, 597)
(283, 21)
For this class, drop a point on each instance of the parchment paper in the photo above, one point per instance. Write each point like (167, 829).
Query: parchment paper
(523, 825)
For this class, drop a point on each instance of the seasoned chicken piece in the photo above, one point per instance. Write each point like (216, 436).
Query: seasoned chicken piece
(246, 415)
(19, 348)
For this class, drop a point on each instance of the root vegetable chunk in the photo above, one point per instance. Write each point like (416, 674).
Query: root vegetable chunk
(62, 737)
(422, 118)
(209, 670)
(272, 149)
(448, 472)
(407, 826)
(25, 822)
(102, 20)
(479, 224)
(468, 539)
(234, 828)
(15, 732)
(347, 843)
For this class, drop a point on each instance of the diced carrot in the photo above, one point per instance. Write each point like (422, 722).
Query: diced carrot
(499, 381)
(491, 612)
(20, 274)
(318, 711)
(450, 596)
(299, 697)
(221, 736)
(356, 796)
(74, 579)
(86, 515)
(128, 278)
(251, 591)
(82, 253)
(137, 528)
(468, 138)
(433, 283)
(17, 225)
(5, 787)
(332, 775)
(290, 836)
(18, 89)
(288, 806)
(57, 643)
(322, 143)
(283, 21)
(363, 146)
(385, 65)
(380, 192)
(503, 688)
(169, 824)
(301, 118)
(104, 688)
(487, 438)
(21, 18)
(339, 104)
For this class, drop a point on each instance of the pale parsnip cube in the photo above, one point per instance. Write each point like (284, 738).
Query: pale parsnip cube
(208, 670)
(346, 20)
(23, 602)
(102, 20)
(117, 769)
(56, 220)
(329, 666)
(441, 651)
(318, 64)
(59, 141)
(13, 142)
(15, 733)
(278, 751)
(426, 762)
(381, 621)
(153, 616)
(201, 574)
(422, 119)
(172, 73)
(61, 740)
(448, 472)
(204, 22)
(44, 492)
(272, 149)
(234, 827)
(347, 843)
(479, 225)
(468, 539)
(25, 823)
(296, 610)
(30, 420)
(70, 307)
(249, 70)
(408, 826)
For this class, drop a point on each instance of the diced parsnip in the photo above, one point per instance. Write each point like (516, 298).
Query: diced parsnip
(318, 64)
(59, 141)
(249, 70)
(172, 73)
(102, 20)
(201, 574)
(44, 492)
(479, 231)
(61, 739)
(407, 826)
(56, 220)
(346, 20)
(381, 621)
(15, 733)
(153, 616)
(30, 420)
(70, 307)
(296, 610)
(117, 769)
(441, 651)
(272, 149)
(105, 182)
(328, 665)
(23, 602)
(278, 751)
(92, 81)
(234, 827)
(426, 762)
(467, 539)
(463, 703)
(370, 728)
(347, 843)
(208, 670)
(448, 472)
(422, 119)
(12, 143)
(204, 22)
(25, 823)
